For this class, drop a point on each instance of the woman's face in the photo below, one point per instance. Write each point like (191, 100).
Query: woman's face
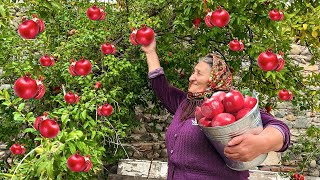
(198, 81)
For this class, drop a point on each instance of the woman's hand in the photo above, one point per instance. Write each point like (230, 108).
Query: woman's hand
(151, 48)
(245, 147)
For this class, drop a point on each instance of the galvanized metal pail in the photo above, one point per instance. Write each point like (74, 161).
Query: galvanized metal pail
(221, 135)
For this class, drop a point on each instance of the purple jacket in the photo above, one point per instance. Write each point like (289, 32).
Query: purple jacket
(191, 156)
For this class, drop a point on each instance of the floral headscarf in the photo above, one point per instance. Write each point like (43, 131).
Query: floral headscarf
(221, 80)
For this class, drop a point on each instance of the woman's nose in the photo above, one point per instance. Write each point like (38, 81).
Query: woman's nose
(192, 77)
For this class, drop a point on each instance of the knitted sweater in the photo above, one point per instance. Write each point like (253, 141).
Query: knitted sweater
(191, 156)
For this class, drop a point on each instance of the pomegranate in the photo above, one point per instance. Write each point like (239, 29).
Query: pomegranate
(39, 21)
(274, 15)
(39, 119)
(281, 15)
(198, 115)
(94, 13)
(16, 149)
(205, 122)
(207, 19)
(23, 150)
(88, 164)
(281, 61)
(233, 101)
(268, 61)
(49, 128)
(47, 60)
(234, 45)
(107, 48)
(196, 22)
(76, 162)
(28, 29)
(103, 14)
(223, 119)
(241, 46)
(285, 95)
(219, 96)
(83, 67)
(105, 110)
(41, 88)
(71, 98)
(26, 87)
(72, 68)
(133, 39)
(249, 102)
(145, 35)
(97, 85)
(220, 17)
(211, 108)
(242, 113)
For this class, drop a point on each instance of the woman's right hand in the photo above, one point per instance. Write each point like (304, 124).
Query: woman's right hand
(150, 48)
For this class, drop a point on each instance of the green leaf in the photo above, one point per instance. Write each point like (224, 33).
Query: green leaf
(84, 114)
(7, 103)
(93, 134)
(17, 116)
(29, 130)
(21, 106)
(6, 94)
(72, 148)
(49, 169)
(65, 118)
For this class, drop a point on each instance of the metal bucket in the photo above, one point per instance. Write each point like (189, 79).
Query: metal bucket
(221, 135)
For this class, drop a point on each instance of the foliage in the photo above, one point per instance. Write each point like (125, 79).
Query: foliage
(305, 149)
(69, 34)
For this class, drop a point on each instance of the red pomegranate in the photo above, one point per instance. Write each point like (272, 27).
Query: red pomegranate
(234, 45)
(76, 162)
(274, 15)
(268, 61)
(133, 39)
(105, 110)
(28, 29)
(107, 48)
(196, 22)
(83, 67)
(207, 19)
(49, 128)
(41, 88)
(97, 85)
(26, 87)
(223, 119)
(220, 17)
(39, 21)
(233, 101)
(15, 149)
(47, 60)
(145, 35)
(94, 13)
(39, 119)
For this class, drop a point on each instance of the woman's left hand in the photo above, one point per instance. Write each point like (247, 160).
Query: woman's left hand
(245, 147)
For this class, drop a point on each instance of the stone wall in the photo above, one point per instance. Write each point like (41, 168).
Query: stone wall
(148, 140)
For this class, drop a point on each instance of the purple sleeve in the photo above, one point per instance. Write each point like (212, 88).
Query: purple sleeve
(269, 120)
(169, 96)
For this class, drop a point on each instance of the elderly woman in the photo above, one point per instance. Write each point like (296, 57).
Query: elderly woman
(191, 156)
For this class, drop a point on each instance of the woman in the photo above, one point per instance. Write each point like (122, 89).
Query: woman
(191, 156)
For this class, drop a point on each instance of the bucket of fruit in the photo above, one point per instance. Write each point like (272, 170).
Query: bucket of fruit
(227, 115)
